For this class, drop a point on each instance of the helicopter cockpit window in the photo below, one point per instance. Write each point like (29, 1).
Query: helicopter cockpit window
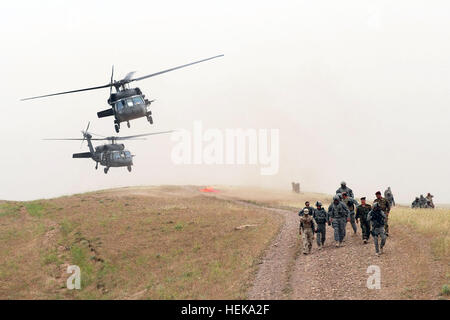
(138, 100)
(129, 102)
(119, 106)
(115, 155)
(127, 154)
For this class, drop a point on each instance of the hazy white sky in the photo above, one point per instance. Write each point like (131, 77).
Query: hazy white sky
(359, 90)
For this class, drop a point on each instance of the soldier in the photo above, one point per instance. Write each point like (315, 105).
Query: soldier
(389, 196)
(338, 214)
(385, 207)
(416, 203)
(422, 202)
(377, 219)
(321, 217)
(351, 203)
(361, 214)
(344, 188)
(429, 198)
(311, 209)
(307, 227)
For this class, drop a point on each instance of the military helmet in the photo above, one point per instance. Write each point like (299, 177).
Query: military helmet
(375, 205)
(318, 203)
(336, 198)
(306, 211)
(343, 183)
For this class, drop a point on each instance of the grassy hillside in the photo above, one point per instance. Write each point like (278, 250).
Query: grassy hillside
(137, 243)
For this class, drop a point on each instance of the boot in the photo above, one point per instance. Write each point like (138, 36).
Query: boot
(337, 244)
(365, 241)
(381, 251)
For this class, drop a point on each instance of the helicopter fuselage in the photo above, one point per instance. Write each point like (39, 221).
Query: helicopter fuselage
(108, 155)
(126, 105)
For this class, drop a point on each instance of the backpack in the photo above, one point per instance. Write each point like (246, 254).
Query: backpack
(377, 218)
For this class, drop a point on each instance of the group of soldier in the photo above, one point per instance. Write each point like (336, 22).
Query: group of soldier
(344, 209)
(423, 202)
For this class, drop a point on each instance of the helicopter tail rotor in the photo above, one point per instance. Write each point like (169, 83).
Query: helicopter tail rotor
(85, 134)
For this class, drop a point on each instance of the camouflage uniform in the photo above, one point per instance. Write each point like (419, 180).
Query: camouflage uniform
(377, 217)
(422, 202)
(339, 214)
(386, 208)
(389, 196)
(321, 218)
(361, 215)
(429, 199)
(307, 227)
(345, 189)
(351, 203)
(415, 203)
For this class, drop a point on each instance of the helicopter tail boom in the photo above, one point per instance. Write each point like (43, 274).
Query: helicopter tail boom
(105, 113)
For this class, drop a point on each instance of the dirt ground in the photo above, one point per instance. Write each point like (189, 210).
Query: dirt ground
(176, 242)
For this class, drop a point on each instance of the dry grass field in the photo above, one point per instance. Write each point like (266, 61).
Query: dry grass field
(175, 242)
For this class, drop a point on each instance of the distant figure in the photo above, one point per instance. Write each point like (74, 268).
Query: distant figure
(321, 218)
(429, 198)
(307, 228)
(344, 188)
(295, 187)
(361, 214)
(307, 207)
(416, 203)
(389, 196)
(385, 207)
(422, 202)
(377, 220)
(339, 215)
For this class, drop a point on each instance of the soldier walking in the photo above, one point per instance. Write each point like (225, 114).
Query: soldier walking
(338, 214)
(377, 220)
(344, 188)
(307, 227)
(361, 215)
(385, 207)
(310, 209)
(321, 218)
(351, 205)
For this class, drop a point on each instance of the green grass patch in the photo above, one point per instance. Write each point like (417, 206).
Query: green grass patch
(35, 208)
(7, 209)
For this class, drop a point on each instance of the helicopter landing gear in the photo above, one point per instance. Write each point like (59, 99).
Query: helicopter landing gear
(150, 119)
(128, 124)
(96, 165)
(106, 170)
(129, 168)
(117, 126)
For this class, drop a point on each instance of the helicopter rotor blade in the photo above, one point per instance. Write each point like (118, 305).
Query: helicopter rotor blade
(75, 139)
(65, 92)
(172, 69)
(128, 76)
(140, 135)
(111, 82)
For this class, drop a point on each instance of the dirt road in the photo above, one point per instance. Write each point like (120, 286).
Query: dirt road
(408, 269)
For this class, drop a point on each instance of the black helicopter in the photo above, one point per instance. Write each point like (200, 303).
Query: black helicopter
(126, 103)
(108, 155)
